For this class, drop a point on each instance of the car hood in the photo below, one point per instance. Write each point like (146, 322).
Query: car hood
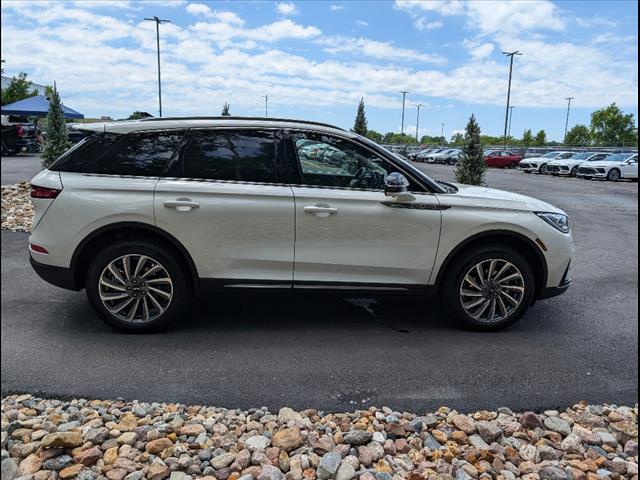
(537, 159)
(493, 198)
(563, 161)
(602, 164)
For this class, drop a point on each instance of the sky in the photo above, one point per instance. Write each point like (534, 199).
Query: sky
(316, 59)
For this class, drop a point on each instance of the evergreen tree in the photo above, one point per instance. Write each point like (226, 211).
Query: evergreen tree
(225, 110)
(138, 115)
(540, 139)
(471, 167)
(527, 137)
(57, 141)
(360, 125)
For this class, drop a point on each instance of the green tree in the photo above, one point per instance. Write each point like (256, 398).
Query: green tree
(57, 141)
(527, 138)
(578, 135)
(471, 167)
(540, 138)
(375, 136)
(457, 139)
(138, 115)
(360, 125)
(398, 138)
(610, 126)
(18, 89)
(225, 110)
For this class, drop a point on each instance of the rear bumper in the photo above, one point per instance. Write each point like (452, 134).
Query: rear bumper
(58, 276)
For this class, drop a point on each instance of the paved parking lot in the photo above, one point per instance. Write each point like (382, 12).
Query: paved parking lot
(19, 168)
(332, 353)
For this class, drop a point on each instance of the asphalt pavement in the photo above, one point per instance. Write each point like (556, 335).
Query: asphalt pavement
(331, 353)
(19, 168)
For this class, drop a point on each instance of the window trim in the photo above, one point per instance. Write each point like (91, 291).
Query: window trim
(293, 157)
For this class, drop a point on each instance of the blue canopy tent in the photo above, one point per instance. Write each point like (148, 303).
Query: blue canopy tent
(37, 106)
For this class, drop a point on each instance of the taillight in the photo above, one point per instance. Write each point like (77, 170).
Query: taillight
(44, 192)
(19, 131)
(38, 248)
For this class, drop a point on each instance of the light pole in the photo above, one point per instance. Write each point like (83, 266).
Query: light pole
(158, 22)
(442, 133)
(506, 118)
(566, 123)
(266, 105)
(404, 93)
(418, 106)
(510, 118)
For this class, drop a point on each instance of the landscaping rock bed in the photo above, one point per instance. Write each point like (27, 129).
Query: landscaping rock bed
(17, 209)
(117, 440)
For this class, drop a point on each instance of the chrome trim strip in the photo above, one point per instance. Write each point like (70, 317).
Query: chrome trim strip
(346, 287)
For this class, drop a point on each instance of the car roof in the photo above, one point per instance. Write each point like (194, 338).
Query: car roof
(166, 123)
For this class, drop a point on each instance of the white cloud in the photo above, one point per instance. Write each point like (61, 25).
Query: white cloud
(335, 8)
(286, 8)
(442, 7)
(200, 9)
(421, 23)
(610, 38)
(362, 23)
(375, 49)
(479, 52)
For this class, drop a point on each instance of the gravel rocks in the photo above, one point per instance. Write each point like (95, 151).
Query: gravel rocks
(17, 209)
(117, 440)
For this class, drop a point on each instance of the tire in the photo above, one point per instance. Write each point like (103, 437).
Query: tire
(452, 161)
(160, 313)
(462, 265)
(527, 171)
(574, 171)
(543, 169)
(614, 175)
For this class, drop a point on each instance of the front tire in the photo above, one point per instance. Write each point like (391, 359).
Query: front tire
(488, 288)
(614, 175)
(137, 286)
(574, 171)
(543, 169)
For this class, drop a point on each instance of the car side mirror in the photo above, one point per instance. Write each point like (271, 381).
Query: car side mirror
(396, 186)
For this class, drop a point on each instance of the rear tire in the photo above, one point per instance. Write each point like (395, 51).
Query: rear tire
(463, 268)
(543, 169)
(574, 171)
(158, 291)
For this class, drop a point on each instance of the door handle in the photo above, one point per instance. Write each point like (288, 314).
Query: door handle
(320, 210)
(181, 204)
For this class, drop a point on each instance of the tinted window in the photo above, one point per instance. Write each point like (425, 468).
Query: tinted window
(244, 156)
(142, 154)
(81, 155)
(335, 162)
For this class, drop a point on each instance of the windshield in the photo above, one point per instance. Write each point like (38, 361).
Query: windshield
(551, 155)
(582, 156)
(618, 157)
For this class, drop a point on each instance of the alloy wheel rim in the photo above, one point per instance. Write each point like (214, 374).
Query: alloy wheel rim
(492, 290)
(135, 288)
(614, 175)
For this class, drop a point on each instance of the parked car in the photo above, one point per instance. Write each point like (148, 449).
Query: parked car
(449, 156)
(18, 136)
(539, 164)
(143, 214)
(422, 156)
(613, 168)
(501, 158)
(569, 166)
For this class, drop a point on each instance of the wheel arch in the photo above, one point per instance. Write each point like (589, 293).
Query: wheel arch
(126, 231)
(523, 244)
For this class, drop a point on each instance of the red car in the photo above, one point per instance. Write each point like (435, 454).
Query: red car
(501, 158)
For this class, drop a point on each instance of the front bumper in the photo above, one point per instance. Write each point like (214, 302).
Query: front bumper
(528, 167)
(591, 172)
(565, 283)
(59, 276)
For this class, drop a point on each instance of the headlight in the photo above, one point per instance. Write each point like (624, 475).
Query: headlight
(556, 220)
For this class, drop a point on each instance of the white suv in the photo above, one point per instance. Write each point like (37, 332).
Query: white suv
(144, 214)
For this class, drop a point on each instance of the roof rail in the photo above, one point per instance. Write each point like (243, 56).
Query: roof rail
(268, 119)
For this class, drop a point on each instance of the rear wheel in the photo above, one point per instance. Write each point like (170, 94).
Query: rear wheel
(543, 168)
(488, 288)
(137, 286)
(613, 175)
(574, 171)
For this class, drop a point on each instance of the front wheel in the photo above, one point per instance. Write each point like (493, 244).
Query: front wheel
(543, 168)
(574, 171)
(488, 288)
(137, 286)
(613, 175)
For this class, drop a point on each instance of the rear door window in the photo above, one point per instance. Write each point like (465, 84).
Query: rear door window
(228, 155)
(139, 154)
